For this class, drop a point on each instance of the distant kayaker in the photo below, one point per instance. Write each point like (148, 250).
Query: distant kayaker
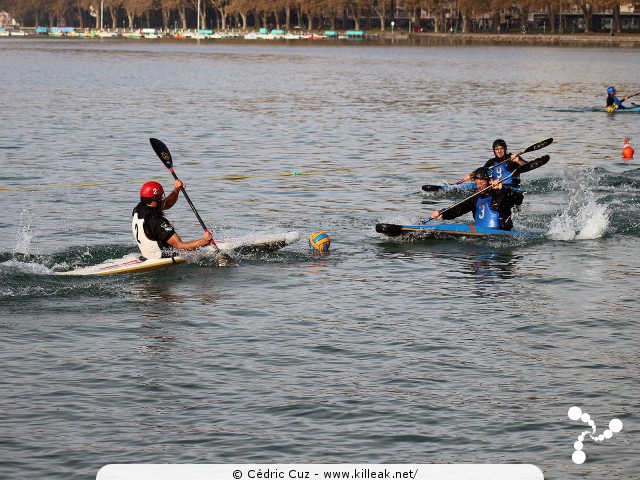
(154, 233)
(502, 164)
(490, 209)
(614, 102)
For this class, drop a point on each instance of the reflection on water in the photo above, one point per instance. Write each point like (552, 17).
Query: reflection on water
(156, 289)
(163, 292)
(155, 342)
(492, 265)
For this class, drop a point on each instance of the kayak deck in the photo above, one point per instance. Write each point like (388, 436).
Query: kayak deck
(134, 263)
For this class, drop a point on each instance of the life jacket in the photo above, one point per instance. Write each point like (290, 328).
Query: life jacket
(149, 247)
(484, 215)
(500, 171)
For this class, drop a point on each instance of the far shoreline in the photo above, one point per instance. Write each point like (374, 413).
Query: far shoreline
(622, 40)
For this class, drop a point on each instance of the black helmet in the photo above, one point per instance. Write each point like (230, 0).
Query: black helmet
(499, 143)
(482, 173)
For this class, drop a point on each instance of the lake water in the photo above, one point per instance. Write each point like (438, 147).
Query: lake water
(391, 351)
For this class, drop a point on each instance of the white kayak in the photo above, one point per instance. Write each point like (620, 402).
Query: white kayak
(134, 263)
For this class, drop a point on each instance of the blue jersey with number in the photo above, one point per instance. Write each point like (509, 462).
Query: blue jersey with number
(499, 171)
(484, 215)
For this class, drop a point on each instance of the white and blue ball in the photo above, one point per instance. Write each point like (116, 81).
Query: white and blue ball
(320, 241)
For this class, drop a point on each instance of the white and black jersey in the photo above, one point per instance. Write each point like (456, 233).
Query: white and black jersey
(151, 231)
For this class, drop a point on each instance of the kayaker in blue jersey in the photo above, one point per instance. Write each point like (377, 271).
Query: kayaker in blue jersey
(153, 233)
(490, 209)
(613, 101)
(502, 165)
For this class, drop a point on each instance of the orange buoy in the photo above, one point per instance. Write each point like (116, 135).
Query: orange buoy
(627, 151)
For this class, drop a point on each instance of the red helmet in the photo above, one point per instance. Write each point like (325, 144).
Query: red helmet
(151, 189)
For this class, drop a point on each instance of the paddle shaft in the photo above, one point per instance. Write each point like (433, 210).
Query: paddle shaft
(186, 196)
(163, 153)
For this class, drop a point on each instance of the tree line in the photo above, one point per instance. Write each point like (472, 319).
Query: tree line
(435, 15)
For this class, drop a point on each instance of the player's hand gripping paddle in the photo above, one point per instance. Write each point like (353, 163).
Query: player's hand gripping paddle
(527, 167)
(163, 154)
(536, 146)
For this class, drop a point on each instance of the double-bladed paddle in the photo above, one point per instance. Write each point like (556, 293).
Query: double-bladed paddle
(527, 167)
(395, 230)
(163, 154)
(536, 146)
(531, 148)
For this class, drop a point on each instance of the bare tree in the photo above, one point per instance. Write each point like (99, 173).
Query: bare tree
(614, 7)
(549, 6)
(222, 6)
(58, 11)
(261, 11)
(242, 8)
(357, 10)
(471, 9)
(113, 8)
(311, 9)
(136, 8)
(193, 5)
(587, 14)
(22, 9)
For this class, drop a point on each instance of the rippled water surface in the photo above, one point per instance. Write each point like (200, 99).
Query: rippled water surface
(381, 351)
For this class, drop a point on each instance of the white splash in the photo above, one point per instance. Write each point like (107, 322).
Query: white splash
(16, 266)
(584, 218)
(24, 235)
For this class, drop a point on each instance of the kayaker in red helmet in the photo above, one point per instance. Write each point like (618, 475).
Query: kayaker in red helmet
(153, 232)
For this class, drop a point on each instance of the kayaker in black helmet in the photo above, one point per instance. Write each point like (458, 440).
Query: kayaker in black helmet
(502, 164)
(490, 209)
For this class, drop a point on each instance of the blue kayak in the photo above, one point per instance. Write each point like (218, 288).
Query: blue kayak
(446, 230)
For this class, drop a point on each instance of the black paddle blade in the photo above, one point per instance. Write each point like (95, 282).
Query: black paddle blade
(539, 145)
(431, 188)
(533, 164)
(162, 151)
(389, 229)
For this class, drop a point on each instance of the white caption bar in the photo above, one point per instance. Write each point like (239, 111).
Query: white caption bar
(461, 471)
